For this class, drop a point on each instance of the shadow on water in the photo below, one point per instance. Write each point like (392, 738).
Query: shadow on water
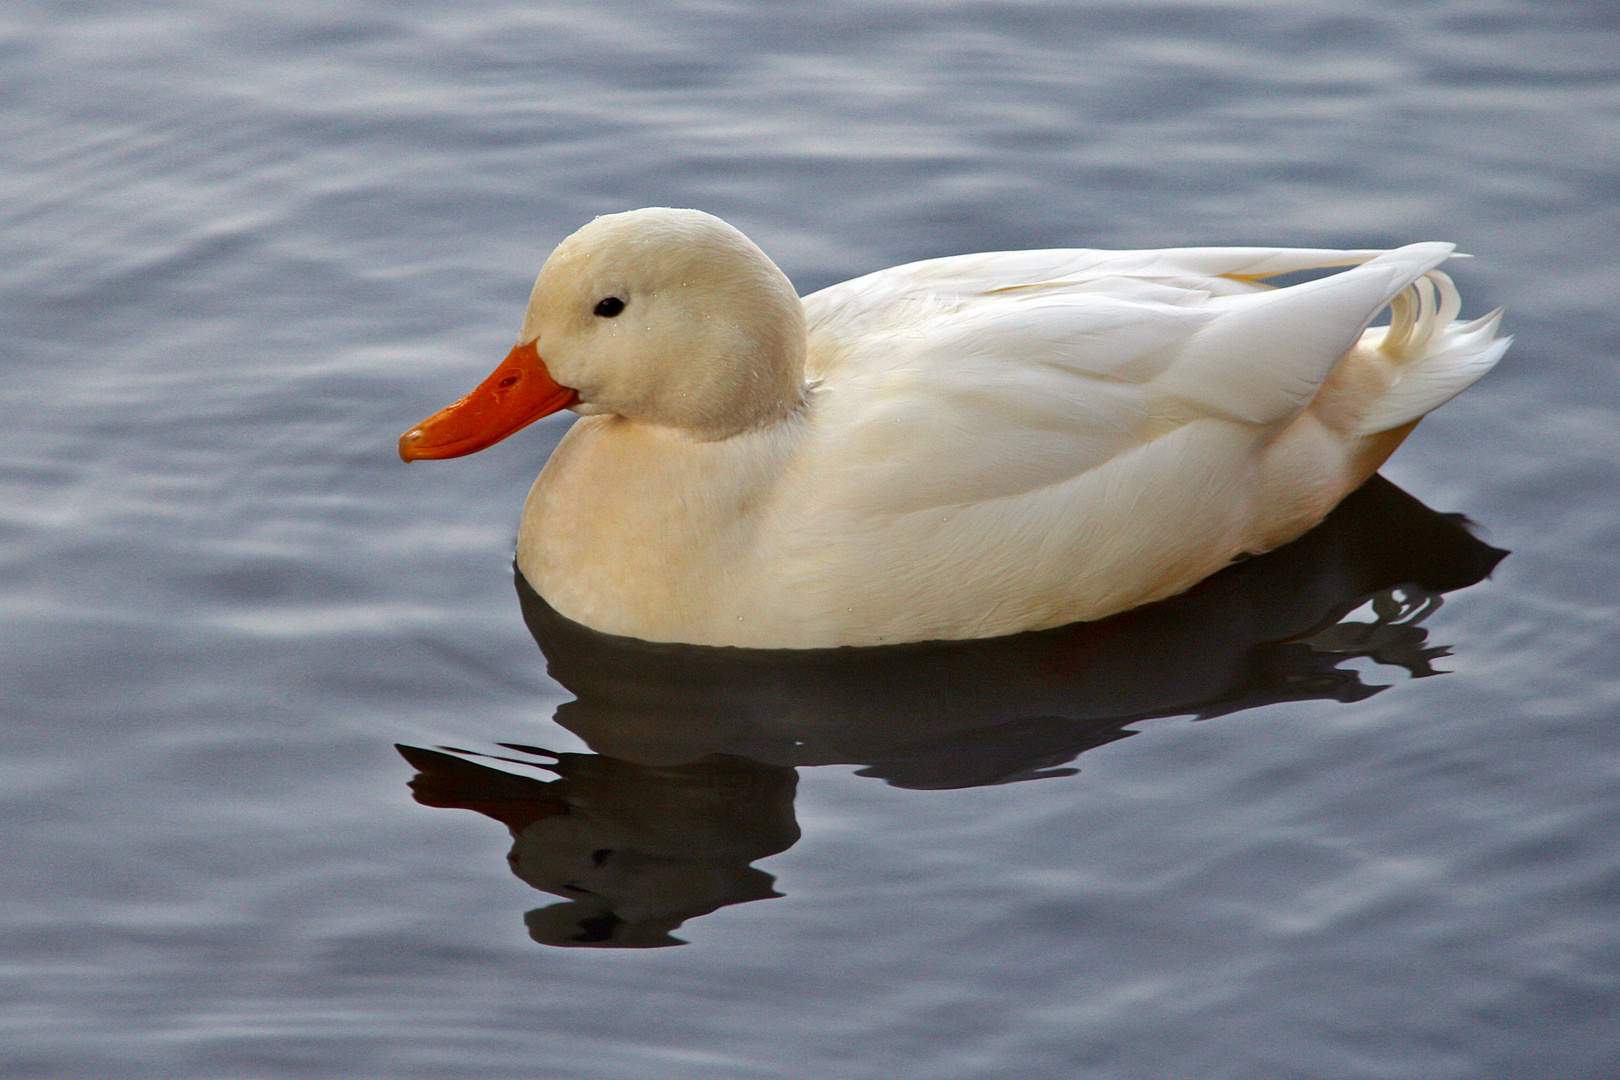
(696, 747)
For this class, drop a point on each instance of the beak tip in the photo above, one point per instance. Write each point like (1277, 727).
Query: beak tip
(407, 445)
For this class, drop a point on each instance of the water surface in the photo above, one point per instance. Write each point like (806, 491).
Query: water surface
(246, 247)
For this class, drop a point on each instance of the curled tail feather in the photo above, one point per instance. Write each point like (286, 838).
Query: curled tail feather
(1434, 358)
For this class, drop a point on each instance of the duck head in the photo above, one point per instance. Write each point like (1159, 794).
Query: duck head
(660, 316)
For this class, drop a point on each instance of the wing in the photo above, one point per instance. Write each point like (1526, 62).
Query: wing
(982, 377)
(855, 306)
(995, 395)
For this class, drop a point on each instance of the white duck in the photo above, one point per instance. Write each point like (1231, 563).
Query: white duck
(956, 448)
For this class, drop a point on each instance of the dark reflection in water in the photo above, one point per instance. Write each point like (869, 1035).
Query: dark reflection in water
(693, 778)
(637, 849)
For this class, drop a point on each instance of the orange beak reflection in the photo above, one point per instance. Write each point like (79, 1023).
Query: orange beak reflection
(519, 392)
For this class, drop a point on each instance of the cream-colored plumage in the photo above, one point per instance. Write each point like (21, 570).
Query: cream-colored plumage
(956, 448)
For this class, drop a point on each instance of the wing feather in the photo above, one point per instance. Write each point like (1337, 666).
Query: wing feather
(1266, 355)
(1008, 394)
(979, 377)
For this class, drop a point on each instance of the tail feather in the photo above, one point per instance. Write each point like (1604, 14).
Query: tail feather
(1435, 357)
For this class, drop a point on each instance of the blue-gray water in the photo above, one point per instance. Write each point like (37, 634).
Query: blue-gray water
(246, 245)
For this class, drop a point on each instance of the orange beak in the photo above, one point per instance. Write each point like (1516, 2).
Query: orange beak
(519, 392)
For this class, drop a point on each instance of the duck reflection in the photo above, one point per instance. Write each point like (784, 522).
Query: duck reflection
(693, 776)
(637, 849)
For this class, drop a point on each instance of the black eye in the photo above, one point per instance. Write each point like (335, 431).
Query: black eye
(609, 307)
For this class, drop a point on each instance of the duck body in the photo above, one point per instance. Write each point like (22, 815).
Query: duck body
(958, 448)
